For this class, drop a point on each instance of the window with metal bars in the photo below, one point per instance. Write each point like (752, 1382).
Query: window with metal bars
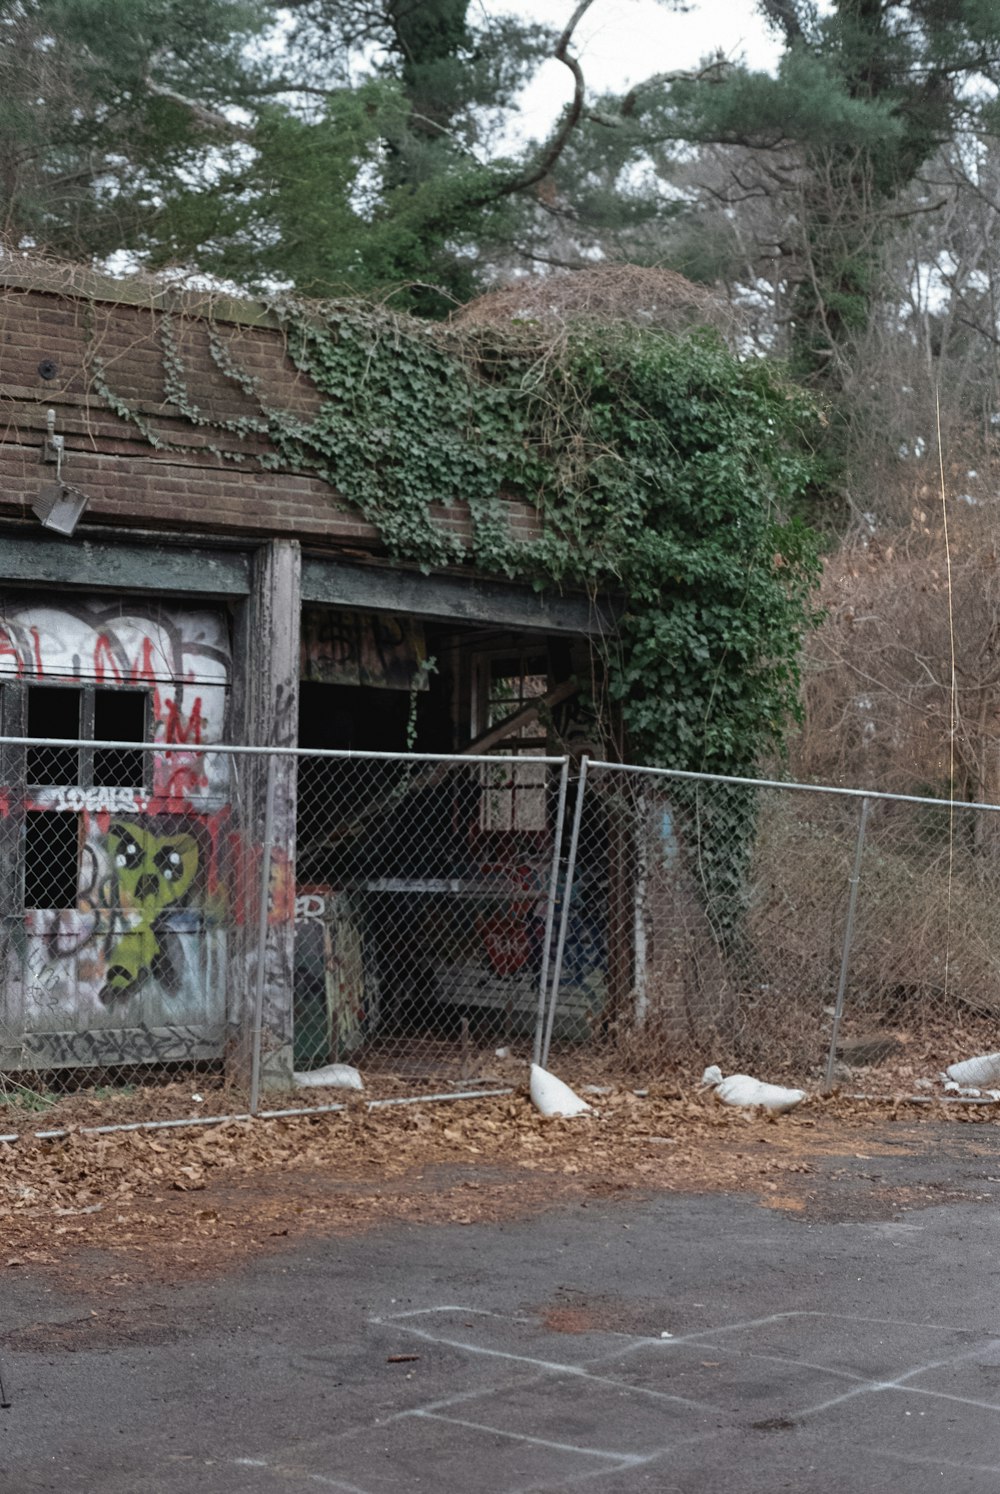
(74, 713)
(86, 713)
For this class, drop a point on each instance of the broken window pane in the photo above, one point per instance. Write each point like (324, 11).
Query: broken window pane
(119, 716)
(515, 794)
(53, 711)
(51, 858)
(513, 683)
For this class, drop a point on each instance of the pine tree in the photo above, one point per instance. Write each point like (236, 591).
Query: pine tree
(330, 145)
(104, 104)
(864, 95)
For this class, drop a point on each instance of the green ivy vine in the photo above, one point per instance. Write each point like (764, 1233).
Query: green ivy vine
(662, 470)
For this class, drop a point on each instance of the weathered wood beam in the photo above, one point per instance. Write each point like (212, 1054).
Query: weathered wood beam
(122, 565)
(468, 599)
(489, 739)
(90, 560)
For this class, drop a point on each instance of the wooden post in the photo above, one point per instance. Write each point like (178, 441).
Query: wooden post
(265, 714)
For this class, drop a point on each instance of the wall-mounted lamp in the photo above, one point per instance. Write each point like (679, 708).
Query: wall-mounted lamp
(59, 507)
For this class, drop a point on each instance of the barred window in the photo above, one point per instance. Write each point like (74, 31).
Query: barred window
(53, 832)
(91, 713)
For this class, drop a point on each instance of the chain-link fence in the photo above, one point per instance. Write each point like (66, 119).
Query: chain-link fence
(127, 877)
(191, 930)
(424, 909)
(792, 931)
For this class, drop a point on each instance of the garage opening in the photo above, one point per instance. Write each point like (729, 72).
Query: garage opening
(422, 886)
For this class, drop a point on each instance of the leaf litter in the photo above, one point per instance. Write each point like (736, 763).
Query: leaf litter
(185, 1202)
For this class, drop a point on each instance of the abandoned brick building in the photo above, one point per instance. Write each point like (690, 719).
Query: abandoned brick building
(154, 589)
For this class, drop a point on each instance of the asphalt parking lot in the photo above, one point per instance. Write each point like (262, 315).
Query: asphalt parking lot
(671, 1342)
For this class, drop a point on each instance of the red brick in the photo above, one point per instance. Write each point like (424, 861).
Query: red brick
(167, 487)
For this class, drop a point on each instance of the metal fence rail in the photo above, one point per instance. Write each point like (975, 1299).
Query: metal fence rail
(830, 934)
(190, 928)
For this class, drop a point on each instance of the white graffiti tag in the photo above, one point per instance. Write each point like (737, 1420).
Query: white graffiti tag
(96, 800)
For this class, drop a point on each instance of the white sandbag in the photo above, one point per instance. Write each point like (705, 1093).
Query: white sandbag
(334, 1076)
(743, 1089)
(983, 1071)
(552, 1097)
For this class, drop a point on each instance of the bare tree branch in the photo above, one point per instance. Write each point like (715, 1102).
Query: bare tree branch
(562, 136)
(210, 119)
(713, 70)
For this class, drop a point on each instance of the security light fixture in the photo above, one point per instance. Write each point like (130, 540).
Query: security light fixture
(59, 507)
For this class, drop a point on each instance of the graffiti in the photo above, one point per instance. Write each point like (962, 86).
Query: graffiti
(310, 905)
(143, 1044)
(153, 872)
(181, 656)
(114, 643)
(360, 648)
(513, 933)
(94, 800)
(150, 899)
(170, 969)
(138, 923)
(285, 714)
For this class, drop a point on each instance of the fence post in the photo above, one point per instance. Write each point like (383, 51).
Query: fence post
(262, 912)
(641, 829)
(550, 911)
(845, 958)
(574, 841)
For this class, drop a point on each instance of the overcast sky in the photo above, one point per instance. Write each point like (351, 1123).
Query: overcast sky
(618, 42)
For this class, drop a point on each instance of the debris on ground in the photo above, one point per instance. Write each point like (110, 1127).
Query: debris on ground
(550, 1096)
(165, 1204)
(981, 1071)
(969, 1091)
(741, 1089)
(331, 1076)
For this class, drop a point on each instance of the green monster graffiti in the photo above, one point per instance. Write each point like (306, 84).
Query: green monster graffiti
(153, 873)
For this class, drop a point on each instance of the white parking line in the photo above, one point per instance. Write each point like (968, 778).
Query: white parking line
(625, 1460)
(547, 1366)
(284, 1470)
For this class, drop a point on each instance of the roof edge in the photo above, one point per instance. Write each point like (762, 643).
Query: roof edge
(78, 282)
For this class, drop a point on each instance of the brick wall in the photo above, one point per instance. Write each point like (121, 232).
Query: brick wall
(92, 329)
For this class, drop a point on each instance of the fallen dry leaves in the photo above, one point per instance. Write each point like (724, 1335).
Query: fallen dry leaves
(182, 1201)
